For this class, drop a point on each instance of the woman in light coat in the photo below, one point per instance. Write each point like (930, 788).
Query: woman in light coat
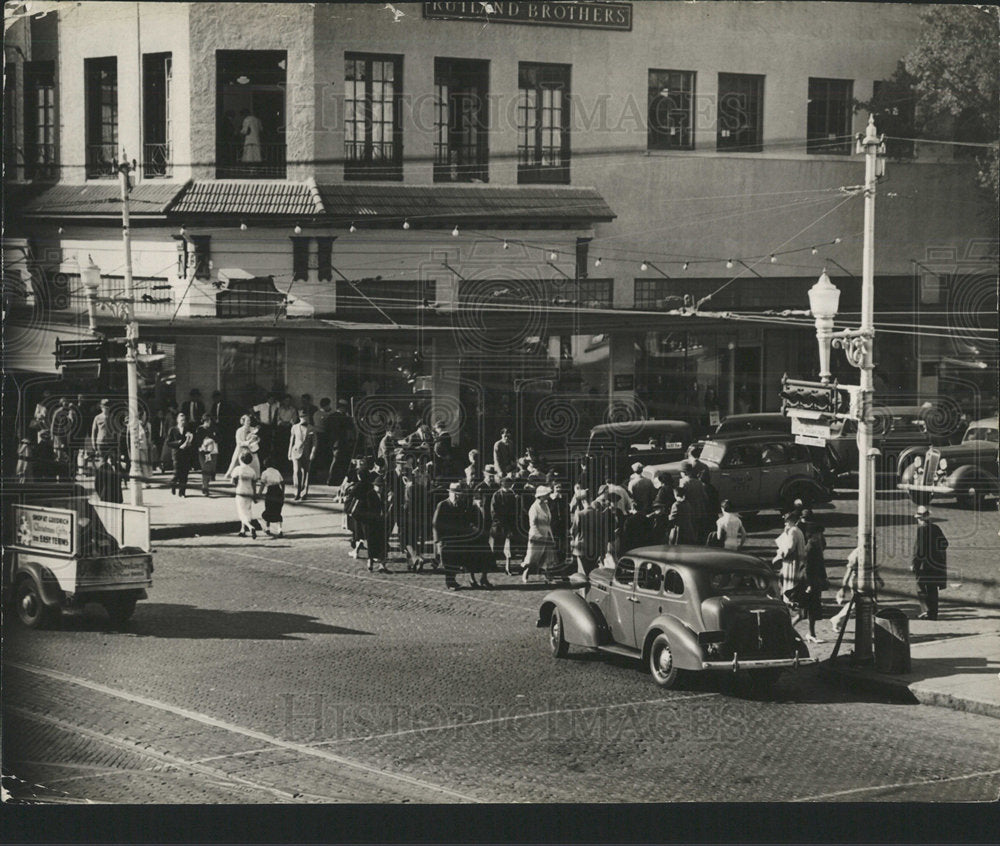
(247, 440)
(541, 554)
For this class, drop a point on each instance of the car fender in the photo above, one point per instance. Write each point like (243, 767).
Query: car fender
(907, 455)
(45, 582)
(688, 653)
(581, 627)
(970, 475)
(820, 492)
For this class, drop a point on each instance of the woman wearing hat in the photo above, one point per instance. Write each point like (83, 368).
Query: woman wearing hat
(541, 555)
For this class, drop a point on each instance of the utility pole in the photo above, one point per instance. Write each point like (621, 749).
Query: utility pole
(131, 337)
(860, 352)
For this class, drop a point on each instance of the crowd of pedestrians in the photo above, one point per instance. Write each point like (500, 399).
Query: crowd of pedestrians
(413, 493)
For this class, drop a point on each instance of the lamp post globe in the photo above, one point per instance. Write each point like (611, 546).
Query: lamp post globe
(91, 278)
(824, 300)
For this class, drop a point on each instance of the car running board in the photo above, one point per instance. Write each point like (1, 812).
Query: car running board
(620, 650)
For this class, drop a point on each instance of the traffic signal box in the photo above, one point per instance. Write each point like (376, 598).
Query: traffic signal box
(817, 398)
(87, 358)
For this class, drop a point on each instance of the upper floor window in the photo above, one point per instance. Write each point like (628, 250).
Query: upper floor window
(828, 122)
(250, 108)
(543, 123)
(156, 76)
(40, 120)
(9, 116)
(373, 133)
(740, 118)
(101, 100)
(194, 256)
(300, 259)
(652, 293)
(461, 152)
(671, 110)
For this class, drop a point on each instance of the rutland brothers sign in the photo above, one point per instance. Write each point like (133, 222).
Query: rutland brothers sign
(596, 15)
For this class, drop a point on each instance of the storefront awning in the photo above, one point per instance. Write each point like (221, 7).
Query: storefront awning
(451, 204)
(99, 199)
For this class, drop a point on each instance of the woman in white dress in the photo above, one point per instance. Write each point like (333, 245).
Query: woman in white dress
(245, 479)
(541, 553)
(247, 441)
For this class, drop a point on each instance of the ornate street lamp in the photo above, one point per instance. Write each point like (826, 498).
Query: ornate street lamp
(91, 277)
(824, 300)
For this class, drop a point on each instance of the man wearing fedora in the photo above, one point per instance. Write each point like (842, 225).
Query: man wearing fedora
(930, 563)
(453, 533)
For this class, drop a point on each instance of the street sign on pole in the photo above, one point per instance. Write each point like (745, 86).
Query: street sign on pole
(814, 429)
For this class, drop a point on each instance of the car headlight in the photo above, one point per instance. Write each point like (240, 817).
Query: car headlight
(943, 464)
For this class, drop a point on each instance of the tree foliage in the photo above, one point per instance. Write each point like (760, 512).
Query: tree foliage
(948, 87)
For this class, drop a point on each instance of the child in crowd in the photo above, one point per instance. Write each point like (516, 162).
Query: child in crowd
(272, 485)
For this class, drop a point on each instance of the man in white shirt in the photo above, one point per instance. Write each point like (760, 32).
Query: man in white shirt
(301, 448)
(729, 528)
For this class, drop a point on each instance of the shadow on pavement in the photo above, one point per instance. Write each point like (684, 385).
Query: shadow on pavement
(163, 620)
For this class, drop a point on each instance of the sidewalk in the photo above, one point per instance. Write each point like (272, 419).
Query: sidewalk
(955, 660)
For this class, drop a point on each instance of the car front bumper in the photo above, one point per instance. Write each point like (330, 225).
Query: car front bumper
(909, 487)
(756, 664)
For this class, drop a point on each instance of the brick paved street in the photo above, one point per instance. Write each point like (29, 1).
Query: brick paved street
(282, 671)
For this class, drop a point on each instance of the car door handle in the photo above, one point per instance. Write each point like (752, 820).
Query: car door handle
(632, 599)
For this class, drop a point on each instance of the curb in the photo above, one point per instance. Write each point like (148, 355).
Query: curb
(911, 693)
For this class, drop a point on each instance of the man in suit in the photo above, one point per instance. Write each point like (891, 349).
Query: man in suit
(505, 507)
(102, 433)
(641, 489)
(342, 440)
(504, 457)
(395, 489)
(194, 408)
(453, 532)
(181, 441)
(930, 563)
(321, 426)
(221, 415)
(442, 451)
(301, 449)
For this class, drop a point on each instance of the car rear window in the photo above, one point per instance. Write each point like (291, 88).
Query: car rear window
(983, 434)
(738, 582)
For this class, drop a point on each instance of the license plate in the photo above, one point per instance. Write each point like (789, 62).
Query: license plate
(111, 571)
(673, 445)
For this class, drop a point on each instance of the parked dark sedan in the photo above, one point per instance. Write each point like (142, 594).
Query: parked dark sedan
(676, 609)
(968, 471)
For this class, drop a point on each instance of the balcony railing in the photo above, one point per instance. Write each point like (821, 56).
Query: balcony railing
(258, 161)
(156, 160)
(40, 162)
(152, 294)
(102, 160)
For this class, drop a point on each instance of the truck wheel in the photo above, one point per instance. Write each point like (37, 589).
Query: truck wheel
(120, 610)
(661, 662)
(557, 640)
(31, 611)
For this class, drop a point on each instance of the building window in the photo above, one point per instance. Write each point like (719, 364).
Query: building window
(461, 120)
(543, 123)
(40, 120)
(156, 74)
(828, 122)
(594, 293)
(248, 367)
(250, 108)
(324, 259)
(300, 259)
(671, 110)
(194, 256)
(653, 294)
(740, 120)
(9, 117)
(101, 95)
(373, 134)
